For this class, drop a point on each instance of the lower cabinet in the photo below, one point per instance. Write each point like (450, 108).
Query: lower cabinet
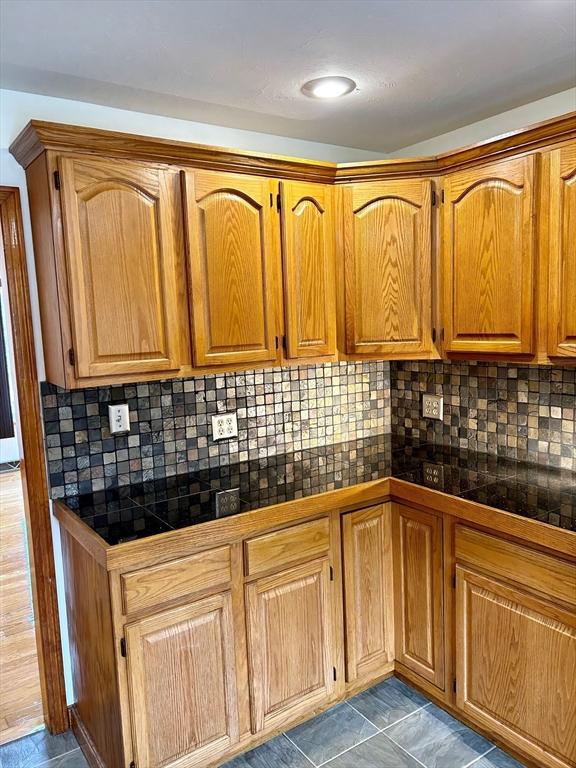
(368, 591)
(516, 645)
(290, 645)
(182, 684)
(418, 581)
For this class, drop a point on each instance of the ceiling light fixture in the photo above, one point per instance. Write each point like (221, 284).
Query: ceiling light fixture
(328, 87)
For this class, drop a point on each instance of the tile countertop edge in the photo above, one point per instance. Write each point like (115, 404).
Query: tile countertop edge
(243, 525)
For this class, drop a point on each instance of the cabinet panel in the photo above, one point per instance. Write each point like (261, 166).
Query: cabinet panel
(233, 252)
(488, 258)
(368, 581)
(418, 591)
(279, 549)
(516, 666)
(562, 297)
(181, 672)
(308, 257)
(124, 251)
(387, 262)
(289, 643)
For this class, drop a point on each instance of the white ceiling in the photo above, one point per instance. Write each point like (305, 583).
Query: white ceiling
(423, 67)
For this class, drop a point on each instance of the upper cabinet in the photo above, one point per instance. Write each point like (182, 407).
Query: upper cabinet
(488, 258)
(124, 266)
(562, 253)
(308, 258)
(233, 263)
(387, 252)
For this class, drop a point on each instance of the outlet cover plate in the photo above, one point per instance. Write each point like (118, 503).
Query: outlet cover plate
(224, 426)
(433, 407)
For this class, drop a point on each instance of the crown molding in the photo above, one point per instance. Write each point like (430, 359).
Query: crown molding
(39, 136)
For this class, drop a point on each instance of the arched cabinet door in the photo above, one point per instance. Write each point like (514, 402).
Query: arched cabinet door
(125, 266)
(488, 258)
(562, 286)
(308, 257)
(232, 253)
(387, 264)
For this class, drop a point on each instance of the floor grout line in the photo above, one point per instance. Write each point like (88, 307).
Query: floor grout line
(344, 751)
(401, 720)
(476, 759)
(405, 750)
(57, 757)
(361, 715)
(299, 750)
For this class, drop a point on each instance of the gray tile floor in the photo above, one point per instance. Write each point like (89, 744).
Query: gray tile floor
(388, 726)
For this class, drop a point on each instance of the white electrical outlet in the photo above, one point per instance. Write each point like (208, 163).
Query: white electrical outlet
(433, 407)
(119, 418)
(224, 426)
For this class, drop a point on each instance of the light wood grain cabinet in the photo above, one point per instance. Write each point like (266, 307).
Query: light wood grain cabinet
(387, 251)
(418, 577)
(182, 684)
(368, 591)
(307, 221)
(125, 267)
(516, 666)
(488, 258)
(290, 644)
(233, 240)
(562, 253)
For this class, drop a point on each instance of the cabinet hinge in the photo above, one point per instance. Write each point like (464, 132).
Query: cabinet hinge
(334, 672)
(454, 685)
(271, 200)
(284, 343)
(434, 335)
(71, 357)
(454, 582)
(132, 764)
(278, 202)
(433, 198)
(277, 342)
(442, 196)
(56, 179)
(123, 647)
(442, 335)
(331, 573)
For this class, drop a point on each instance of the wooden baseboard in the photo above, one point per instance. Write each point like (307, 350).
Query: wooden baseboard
(85, 742)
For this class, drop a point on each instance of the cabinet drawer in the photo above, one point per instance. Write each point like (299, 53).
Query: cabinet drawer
(280, 548)
(177, 578)
(535, 570)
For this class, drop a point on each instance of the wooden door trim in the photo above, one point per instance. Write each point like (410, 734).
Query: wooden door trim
(34, 479)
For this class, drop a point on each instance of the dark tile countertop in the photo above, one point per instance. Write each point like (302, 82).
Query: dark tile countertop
(132, 512)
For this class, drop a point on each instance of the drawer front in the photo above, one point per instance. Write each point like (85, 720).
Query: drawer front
(177, 578)
(534, 570)
(278, 549)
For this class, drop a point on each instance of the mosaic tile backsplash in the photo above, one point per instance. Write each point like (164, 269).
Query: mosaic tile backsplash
(278, 410)
(523, 412)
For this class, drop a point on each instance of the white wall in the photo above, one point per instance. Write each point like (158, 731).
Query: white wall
(10, 447)
(521, 117)
(17, 108)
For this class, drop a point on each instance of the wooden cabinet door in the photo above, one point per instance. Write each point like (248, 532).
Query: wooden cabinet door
(419, 625)
(289, 643)
(562, 286)
(125, 262)
(182, 684)
(369, 591)
(516, 667)
(233, 254)
(309, 281)
(387, 264)
(488, 258)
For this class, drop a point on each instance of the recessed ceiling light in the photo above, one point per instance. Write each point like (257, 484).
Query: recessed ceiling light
(328, 87)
